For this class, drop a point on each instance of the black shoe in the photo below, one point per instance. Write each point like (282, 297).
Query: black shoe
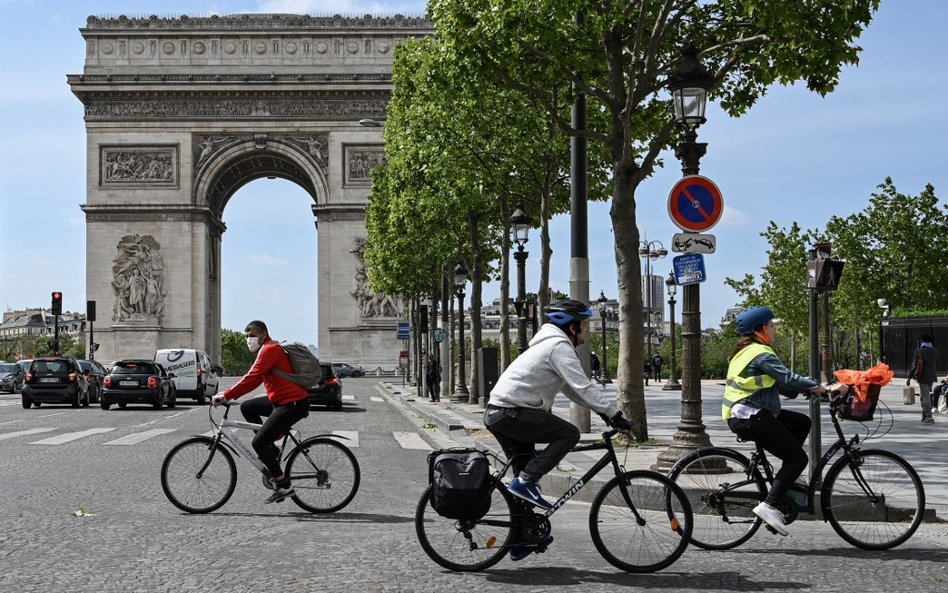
(281, 493)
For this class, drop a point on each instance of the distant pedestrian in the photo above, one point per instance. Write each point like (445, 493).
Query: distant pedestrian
(657, 362)
(937, 392)
(924, 371)
(433, 378)
(646, 370)
(594, 364)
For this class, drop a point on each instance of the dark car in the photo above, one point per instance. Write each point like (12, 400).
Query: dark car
(95, 374)
(138, 381)
(12, 375)
(55, 380)
(328, 392)
(347, 370)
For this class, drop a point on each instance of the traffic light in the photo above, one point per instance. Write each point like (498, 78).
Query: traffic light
(57, 308)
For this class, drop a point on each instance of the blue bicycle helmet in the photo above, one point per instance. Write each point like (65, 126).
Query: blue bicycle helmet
(748, 321)
(565, 312)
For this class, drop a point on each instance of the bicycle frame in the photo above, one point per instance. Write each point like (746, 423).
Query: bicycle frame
(237, 446)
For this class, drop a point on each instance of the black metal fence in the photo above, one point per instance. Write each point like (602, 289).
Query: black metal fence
(901, 338)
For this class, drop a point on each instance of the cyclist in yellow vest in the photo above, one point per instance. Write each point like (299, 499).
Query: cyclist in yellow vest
(755, 380)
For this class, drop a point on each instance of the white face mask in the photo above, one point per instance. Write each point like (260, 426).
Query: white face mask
(253, 343)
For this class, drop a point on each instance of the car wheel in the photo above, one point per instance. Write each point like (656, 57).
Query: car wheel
(336, 406)
(157, 403)
(75, 400)
(122, 405)
(26, 403)
(357, 374)
(200, 398)
(172, 399)
(104, 404)
(13, 388)
(87, 401)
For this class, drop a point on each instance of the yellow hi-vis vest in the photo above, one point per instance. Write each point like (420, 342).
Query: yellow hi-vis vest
(737, 387)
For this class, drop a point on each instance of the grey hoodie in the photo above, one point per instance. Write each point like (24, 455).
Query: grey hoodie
(549, 366)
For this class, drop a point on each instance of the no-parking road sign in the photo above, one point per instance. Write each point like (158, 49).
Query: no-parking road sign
(695, 204)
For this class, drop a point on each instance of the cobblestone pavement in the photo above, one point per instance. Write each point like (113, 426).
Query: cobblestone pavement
(134, 540)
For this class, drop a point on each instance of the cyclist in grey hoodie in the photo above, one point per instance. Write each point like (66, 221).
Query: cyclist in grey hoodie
(518, 412)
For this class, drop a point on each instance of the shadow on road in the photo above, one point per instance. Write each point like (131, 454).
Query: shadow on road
(563, 577)
(341, 517)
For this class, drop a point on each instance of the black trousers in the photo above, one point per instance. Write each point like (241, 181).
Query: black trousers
(280, 418)
(519, 429)
(782, 436)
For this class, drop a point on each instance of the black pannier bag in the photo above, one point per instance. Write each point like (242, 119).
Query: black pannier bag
(460, 483)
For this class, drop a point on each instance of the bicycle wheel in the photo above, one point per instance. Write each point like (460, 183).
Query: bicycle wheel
(874, 502)
(325, 475)
(197, 479)
(467, 546)
(650, 534)
(722, 497)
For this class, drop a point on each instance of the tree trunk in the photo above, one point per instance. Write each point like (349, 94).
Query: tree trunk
(629, 380)
(546, 253)
(505, 290)
(477, 278)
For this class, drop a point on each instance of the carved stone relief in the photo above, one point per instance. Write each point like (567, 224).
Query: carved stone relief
(173, 109)
(371, 305)
(359, 161)
(138, 166)
(137, 280)
(316, 146)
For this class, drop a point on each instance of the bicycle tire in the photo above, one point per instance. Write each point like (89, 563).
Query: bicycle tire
(861, 520)
(179, 476)
(324, 473)
(467, 546)
(648, 537)
(723, 514)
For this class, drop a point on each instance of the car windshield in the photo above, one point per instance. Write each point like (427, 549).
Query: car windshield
(134, 368)
(85, 365)
(50, 366)
(6, 368)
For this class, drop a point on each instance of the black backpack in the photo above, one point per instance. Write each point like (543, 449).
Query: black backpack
(460, 483)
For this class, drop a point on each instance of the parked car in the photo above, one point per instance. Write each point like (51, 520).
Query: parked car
(55, 380)
(328, 392)
(138, 381)
(347, 370)
(194, 373)
(95, 374)
(12, 376)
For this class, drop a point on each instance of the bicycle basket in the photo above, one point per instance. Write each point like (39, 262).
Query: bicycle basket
(861, 409)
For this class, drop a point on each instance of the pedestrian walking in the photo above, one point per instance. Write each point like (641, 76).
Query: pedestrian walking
(924, 371)
(657, 362)
(594, 365)
(646, 370)
(433, 378)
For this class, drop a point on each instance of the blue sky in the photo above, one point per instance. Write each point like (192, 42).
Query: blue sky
(794, 157)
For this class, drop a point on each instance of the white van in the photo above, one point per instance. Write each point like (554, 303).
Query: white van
(194, 373)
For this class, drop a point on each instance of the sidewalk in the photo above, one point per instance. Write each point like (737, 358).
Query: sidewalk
(924, 446)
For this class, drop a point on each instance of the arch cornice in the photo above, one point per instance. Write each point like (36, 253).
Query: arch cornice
(224, 164)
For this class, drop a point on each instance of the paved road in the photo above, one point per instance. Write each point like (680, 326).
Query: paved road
(54, 460)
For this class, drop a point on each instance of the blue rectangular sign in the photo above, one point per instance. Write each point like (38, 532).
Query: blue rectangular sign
(689, 269)
(404, 331)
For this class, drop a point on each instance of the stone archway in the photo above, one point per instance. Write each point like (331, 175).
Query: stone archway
(182, 112)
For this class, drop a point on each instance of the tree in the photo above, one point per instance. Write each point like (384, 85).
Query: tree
(620, 55)
(236, 358)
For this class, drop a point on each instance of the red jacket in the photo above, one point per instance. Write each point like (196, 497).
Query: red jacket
(279, 390)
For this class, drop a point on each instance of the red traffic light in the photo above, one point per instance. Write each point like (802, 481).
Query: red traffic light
(57, 305)
(57, 295)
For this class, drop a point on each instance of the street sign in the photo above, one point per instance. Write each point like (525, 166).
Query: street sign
(695, 204)
(404, 331)
(438, 335)
(689, 269)
(403, 359)
(693, 243)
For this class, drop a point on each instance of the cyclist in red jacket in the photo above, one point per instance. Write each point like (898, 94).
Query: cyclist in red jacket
(286, 403)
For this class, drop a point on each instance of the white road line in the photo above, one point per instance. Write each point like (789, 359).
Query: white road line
(134, 439)
(376, 399)
(411, 440)
(20, 433)
(71, 436)
(4, 404)
(348, 398)
(162, 419)
(26, 419)
(352, 435)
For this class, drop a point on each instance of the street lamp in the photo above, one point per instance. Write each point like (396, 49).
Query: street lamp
(520, 224)
(604, 363)
(689, 84)
(650, 250)
(672, 384)
(884, 321)
(460, 279)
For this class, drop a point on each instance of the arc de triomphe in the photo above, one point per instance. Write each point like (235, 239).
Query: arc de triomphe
(181, 113)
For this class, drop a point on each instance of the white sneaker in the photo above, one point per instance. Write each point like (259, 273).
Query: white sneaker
(771, 517)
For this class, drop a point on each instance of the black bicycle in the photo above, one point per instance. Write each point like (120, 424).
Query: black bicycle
(640, 521)
(872, 498)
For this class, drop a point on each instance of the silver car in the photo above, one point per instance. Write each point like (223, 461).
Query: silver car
(343, 370)
(11, 376)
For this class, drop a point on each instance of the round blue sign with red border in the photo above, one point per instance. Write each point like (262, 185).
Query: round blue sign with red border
(695, 204)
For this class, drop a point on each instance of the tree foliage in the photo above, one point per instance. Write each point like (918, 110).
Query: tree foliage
(236, 358)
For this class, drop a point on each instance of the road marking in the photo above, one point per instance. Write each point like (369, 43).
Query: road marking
(352, 435)
(348, 398)
(162, 419)
(411, 440)
(4, 404)
(134, 439)
(71, 436)
(19, 433)
(376, 399)
(36, 418)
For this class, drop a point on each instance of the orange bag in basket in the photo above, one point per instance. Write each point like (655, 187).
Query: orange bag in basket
(878, 375)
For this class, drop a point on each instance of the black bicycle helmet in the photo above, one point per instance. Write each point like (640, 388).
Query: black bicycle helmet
(565, 312)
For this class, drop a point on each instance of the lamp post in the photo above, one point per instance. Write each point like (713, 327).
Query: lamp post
(604, 363)
(520, 224)
(460, 279)
(689, 83)
(672, 384)
(883, 322)
(650, 250)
